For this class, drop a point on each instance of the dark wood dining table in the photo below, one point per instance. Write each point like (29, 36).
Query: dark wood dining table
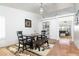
(36, 43)
(33, 38)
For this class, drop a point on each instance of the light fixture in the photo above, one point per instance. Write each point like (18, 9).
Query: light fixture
(76, 15)
(42, 10)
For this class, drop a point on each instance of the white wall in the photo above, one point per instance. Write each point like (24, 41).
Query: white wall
(76, 35)
(76, 29)
(53, 27)
(15, 21)
(76, 32)
(2, 27)
(54, 24)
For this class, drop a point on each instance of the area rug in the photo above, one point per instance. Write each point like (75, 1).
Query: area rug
(14, 49)
(42, 52)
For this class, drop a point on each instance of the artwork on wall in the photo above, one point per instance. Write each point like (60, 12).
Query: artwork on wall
(27, 23)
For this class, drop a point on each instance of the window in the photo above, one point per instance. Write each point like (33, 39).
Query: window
(2, 27)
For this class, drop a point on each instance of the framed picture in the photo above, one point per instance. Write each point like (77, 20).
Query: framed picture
(27, 23)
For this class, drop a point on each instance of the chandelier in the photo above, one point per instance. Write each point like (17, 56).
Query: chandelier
(76, 15)
(42, 10)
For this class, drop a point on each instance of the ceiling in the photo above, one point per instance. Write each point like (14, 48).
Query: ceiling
(35, 7)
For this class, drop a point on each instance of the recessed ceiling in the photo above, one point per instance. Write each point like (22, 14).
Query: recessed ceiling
(35, 7)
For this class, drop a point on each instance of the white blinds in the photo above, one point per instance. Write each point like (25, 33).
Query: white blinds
(2, 27)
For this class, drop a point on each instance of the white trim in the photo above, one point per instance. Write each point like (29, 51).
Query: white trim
(59, 16)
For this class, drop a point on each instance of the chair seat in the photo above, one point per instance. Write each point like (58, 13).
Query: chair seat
(20, 45)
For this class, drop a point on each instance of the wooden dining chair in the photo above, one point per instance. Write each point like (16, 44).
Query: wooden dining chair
(29, 42)
(43, 32)
(21, 41)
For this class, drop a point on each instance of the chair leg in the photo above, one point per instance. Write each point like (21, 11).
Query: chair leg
(19, 47)
(38, 48)
(47, 43)
(23, 47)
(35, 47)
(43, 49)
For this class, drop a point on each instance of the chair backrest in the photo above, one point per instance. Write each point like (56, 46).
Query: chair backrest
(20, 35)
(28, 39)
(39, 37)
(43, 37)
(43, 32)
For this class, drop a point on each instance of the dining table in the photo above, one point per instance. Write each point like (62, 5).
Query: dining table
(35, 43)
(33, 39)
